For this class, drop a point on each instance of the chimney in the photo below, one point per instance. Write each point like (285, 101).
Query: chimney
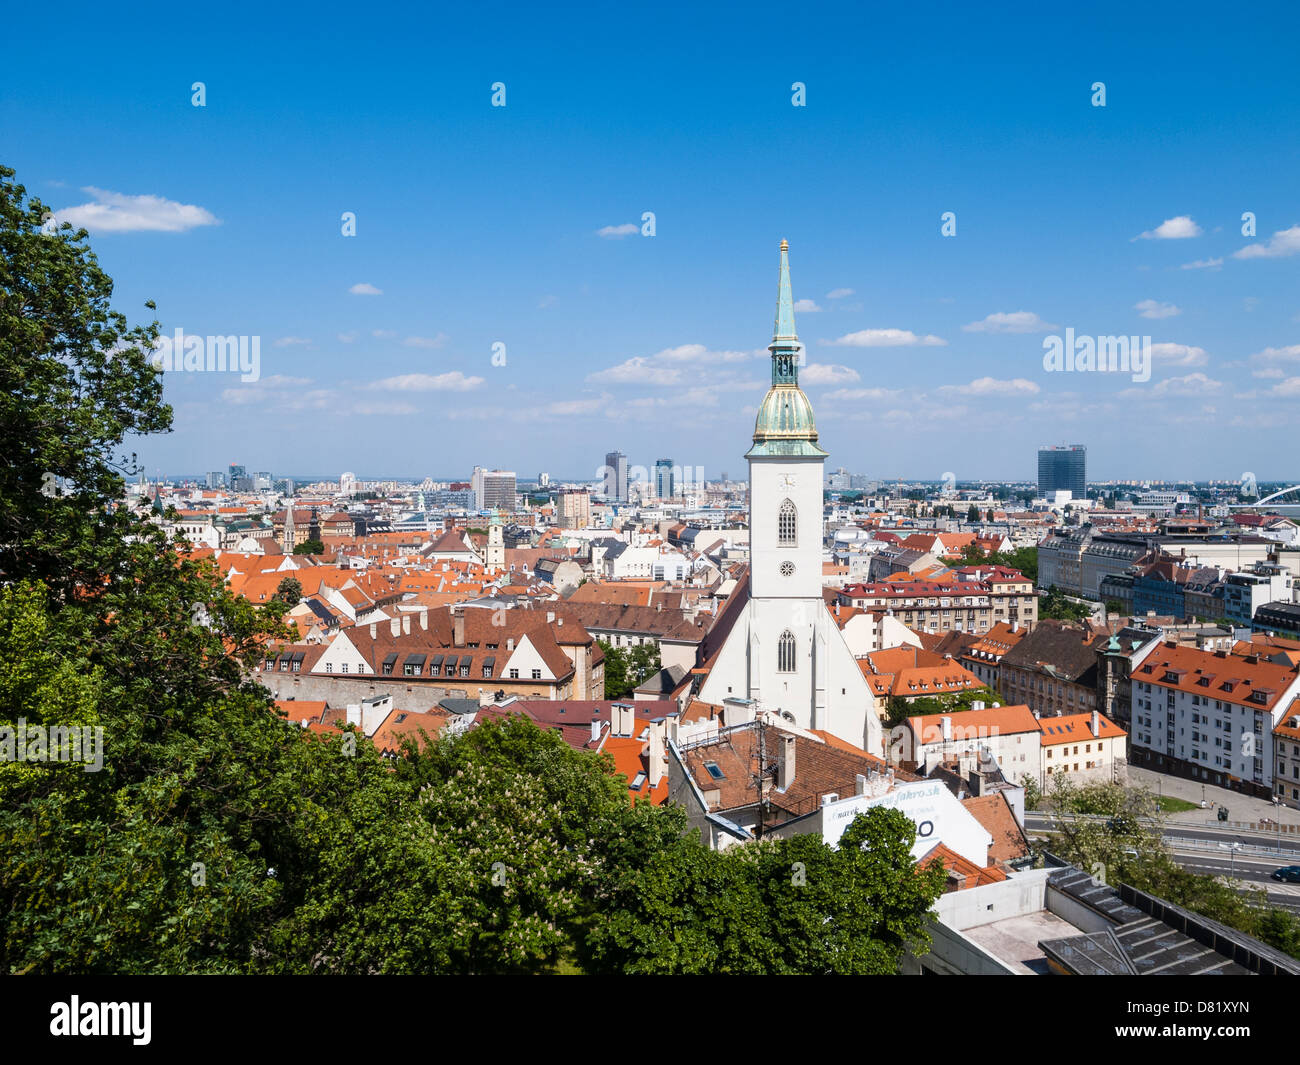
(550, 617)
(354, 713)
(373, 629)
(656, 756)
(510, 643)
(860, 784)
(424, 618)
(945, 727)
(622, 720)
(406, 624)
(1096, 723)
(785, 762)
(595, 729)
(458, 629)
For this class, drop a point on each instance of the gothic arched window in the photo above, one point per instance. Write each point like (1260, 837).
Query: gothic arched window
(787, 524)
(785, 653)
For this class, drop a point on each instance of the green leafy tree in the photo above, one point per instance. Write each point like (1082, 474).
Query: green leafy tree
(627, 668)
(289, 591)
(310, 547)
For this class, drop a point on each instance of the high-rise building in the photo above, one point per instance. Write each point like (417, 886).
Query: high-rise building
(493, 488)
(614, 481)
(216, 479)
(665, 486)
(1063, 469)
(543, 480)
(573, 508)
(263, 481)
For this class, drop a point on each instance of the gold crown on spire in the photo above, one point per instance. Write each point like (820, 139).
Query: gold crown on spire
(785, 245)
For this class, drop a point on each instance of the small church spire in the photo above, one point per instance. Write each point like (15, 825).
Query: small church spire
(784, 329)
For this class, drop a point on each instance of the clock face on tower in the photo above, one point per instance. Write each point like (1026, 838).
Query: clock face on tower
(788, 480)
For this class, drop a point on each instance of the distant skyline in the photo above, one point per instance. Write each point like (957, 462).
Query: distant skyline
(500, 306)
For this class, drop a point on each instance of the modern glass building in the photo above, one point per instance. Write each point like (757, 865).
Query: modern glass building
(1063, 469)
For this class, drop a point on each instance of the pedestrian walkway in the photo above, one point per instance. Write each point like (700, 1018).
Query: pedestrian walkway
(1240, 807)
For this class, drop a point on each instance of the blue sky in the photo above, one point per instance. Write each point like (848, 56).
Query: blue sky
(480, 225)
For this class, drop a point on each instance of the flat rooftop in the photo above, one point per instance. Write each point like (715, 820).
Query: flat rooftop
(1015, 939)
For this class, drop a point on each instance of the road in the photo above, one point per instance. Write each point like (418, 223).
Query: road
(1209, 851)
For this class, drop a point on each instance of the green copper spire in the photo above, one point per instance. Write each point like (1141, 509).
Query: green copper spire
(785, 425)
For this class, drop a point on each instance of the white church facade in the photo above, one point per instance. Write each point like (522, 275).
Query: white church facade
(786, 654)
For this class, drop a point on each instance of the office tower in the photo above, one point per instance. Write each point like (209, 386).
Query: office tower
(493, 488)
(615, 479)
(665, 487)
(1063, 469)
(216, 479)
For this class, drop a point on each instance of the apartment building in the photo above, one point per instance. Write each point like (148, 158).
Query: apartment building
(1086, 748)
(1053, 670)
(1286, 758)
(1211, 715)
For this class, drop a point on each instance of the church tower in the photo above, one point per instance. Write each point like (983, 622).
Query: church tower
(786, 655)
(496, 544)
(290, 541)
(785, 472)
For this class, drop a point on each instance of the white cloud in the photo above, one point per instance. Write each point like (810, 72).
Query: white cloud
(671, 366)
(1179, 228)
(839, 293)
(1288, 388)
(1010, 322)
(1193, 384)
(452, 381)
(806, 307)
(1283, 243)
(1155, 309)
(886, 338)
(365, 408)
(545, 301)
(823, 373)
(364, 288)
(991, 386)
(290, 342)
(277, 380)
(426, 342)
(348, 338)
(861, 393)
(1287, 354)
(618, 232)
(1178, 355)
(1203, 264)
(1269, 373)
(113, 212)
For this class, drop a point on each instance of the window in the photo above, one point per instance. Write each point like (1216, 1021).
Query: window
(537, 674)
(786, 525)
(785, 653)
(345, 667)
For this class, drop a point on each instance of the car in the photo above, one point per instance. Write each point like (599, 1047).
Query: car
(1289, 873)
